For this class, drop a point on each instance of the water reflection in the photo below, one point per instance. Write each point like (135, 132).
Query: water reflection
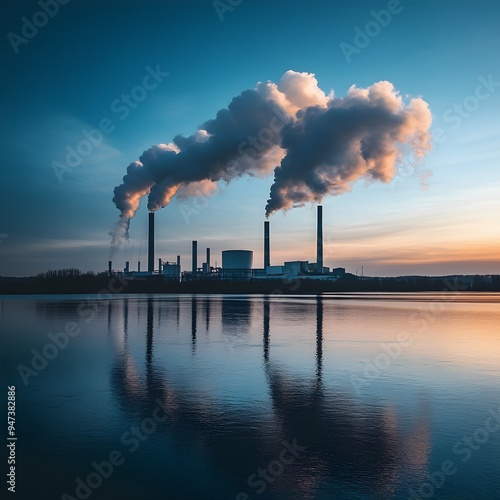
(135, 391)
(319, 337)
(236, 320)
(267, 369)
(54, 310)
(345, 438)
(207, 314)
(194, 323)
(267, 315)
(149, 342)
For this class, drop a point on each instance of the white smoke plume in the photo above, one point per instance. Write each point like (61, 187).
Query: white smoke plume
(362, 135)
(315, 143)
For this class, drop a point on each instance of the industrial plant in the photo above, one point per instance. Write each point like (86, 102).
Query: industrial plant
(237, 264)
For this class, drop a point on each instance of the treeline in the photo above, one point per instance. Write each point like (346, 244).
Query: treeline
(422, 284)
(56, 281)
(64, 274)
(73, 281)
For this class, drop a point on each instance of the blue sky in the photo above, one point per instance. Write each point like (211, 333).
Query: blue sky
(66, 77)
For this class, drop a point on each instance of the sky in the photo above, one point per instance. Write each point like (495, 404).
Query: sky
(63, 83)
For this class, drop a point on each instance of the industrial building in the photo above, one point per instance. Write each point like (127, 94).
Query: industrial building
(237, 264)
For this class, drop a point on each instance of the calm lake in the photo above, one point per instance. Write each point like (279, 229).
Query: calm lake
(342, 396)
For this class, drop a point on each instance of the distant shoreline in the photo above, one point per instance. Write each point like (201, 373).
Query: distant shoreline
(105, 285)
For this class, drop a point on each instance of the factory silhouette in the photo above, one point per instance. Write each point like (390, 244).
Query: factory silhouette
(237, 265)
(237, 274)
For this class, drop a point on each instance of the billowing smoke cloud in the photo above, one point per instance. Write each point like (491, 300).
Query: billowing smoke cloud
(321, 144)
(361, 135)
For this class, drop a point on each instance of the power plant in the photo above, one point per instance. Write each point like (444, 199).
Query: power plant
(237, 264)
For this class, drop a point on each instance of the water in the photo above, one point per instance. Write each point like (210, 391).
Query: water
(347, 396)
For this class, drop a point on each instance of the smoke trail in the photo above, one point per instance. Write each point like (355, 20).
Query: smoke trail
(321, 144)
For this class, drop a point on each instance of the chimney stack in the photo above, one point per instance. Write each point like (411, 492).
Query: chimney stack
(267, 245)
(110, 265)
(127, 266)
(208, 260)
(151, 243)
(139, 266)
(160, 271)
(319, 242)
(195, 256)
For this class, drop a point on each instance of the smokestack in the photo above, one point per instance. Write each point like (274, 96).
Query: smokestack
(179, 260)
(319, 241)
(151, 243)
(110, 265)
(267, 246)
(159, 267)
(195, 256)
(127, 266)
(208, 260)
(139, 266)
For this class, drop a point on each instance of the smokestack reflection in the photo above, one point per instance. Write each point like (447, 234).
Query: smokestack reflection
(193, 322)
(149, 340)
(267, 320)
(319, 338)
(207, 314)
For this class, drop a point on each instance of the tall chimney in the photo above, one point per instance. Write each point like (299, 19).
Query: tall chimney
(139, 266)
(208, 260)
(127, 267)
(319, 242)
(267, 246)
(159, 267)
(195, 256)
(110, 265)
(151, 243)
